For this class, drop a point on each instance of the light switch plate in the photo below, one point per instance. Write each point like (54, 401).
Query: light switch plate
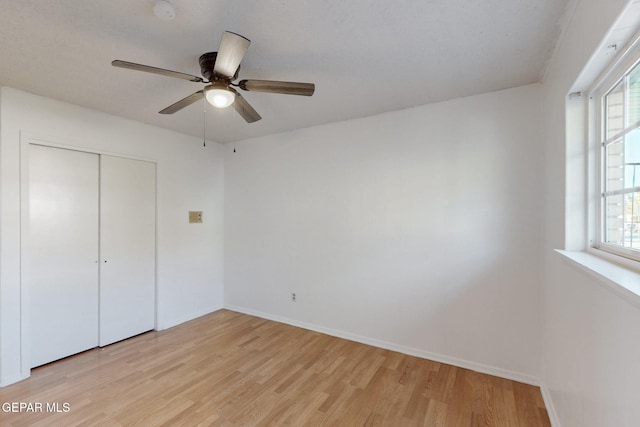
(195, 217)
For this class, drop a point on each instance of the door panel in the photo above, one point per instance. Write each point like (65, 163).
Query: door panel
(127, 248)
(61, 271)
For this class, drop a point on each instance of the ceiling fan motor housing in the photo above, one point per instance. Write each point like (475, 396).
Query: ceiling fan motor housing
(207, 62)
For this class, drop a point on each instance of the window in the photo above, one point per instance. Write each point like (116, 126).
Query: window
(619, 161)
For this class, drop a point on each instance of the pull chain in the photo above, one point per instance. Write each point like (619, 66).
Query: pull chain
(204, 122)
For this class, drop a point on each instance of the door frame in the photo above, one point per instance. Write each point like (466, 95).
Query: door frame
(27, 139)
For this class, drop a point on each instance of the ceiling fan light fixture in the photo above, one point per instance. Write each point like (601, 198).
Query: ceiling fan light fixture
(220, 96)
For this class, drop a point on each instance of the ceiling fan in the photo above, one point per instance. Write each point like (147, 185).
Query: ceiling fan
(219, 70)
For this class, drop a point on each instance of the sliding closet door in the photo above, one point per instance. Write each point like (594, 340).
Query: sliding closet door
(61, 271)
(127, 248)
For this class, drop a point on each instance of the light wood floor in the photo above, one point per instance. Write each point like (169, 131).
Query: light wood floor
(232, 369)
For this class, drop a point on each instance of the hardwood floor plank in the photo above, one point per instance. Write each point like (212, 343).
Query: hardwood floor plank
(231, 369)
(436, 415)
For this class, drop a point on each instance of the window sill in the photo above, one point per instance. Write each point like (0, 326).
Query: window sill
(623, 281)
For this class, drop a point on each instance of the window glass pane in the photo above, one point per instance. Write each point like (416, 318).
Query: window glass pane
(631, 158)
(614, 110)
(614, 166)
(631, 234)
(614, 226)
(633, 95)
(623, 220)
(622, 162)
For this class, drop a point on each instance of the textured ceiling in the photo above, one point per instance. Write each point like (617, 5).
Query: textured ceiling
(364, 57)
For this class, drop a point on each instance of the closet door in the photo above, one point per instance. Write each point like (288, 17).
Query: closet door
(61, 271)
(127, 248)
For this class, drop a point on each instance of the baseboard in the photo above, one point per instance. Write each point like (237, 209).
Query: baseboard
(548, 403)
(175, 322)
(12, 380)
(436, 357)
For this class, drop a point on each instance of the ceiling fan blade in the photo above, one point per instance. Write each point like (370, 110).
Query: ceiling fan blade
(155, 70)
(184, 102)
(288, 88)
(230, 53)
(245, 109)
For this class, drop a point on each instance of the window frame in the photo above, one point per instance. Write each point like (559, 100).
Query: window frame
(620, 67)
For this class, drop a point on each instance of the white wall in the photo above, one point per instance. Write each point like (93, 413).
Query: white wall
(189, 177)
(416, 230)
(590, 347)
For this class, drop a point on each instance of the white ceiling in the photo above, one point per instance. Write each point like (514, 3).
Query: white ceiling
(365, 57)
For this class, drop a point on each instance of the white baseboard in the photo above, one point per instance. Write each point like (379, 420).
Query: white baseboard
(548, 403)
(478, 367)
(175, 322)
(12, 380)
(436, 357)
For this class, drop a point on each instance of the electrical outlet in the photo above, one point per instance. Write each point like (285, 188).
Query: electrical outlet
(293, 297)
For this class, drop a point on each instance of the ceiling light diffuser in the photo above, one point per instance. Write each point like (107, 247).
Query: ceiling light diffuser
(219, 96)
